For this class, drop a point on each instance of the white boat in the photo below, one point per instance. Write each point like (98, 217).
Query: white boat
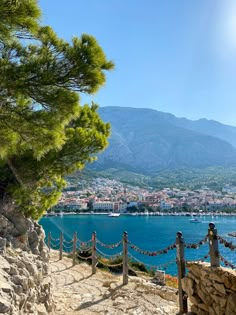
(113, 214)
(195, 220)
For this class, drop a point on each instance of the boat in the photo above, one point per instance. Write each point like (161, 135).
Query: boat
(195, 220)
(113, 214)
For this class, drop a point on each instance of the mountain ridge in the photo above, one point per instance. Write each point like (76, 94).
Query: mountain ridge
(146, 140)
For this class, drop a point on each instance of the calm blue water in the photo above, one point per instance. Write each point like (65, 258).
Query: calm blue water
(146, 232)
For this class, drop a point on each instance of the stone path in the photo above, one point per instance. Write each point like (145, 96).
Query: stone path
(76, 291)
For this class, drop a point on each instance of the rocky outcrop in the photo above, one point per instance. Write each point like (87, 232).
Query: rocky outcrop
(25, 282)
(211, 290)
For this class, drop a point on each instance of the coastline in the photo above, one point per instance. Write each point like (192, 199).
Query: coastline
(186, 214)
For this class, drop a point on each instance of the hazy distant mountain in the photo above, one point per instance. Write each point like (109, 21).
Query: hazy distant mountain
(205, 126)
(145, 140)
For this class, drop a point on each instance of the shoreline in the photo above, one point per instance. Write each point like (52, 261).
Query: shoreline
(184, 214)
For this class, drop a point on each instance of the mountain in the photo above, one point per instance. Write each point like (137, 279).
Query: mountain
(205, 126)
(146, 141)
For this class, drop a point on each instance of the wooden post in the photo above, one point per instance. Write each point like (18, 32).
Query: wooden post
(49, 241)
(183, 305)
(213, 245)
(61, 246)
(74, 247)
(125, 258)
(94, 259)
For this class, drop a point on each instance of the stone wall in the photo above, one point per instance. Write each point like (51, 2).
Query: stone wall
(25, 282)
(211, 290)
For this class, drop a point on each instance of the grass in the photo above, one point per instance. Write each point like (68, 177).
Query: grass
(137, 268)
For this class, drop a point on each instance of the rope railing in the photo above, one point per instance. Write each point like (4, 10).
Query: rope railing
(102, 262)
(151, 253)
(82, 249)
(55, 246)
(110, 246)
(227, 263)
(152, 267)
(55, 239)
(67, 247)
(84, 258)
(198, 244)
(84, 243)
(88, 250)
(68, 242)
(226, 243)
(204, 258)
(111, 257)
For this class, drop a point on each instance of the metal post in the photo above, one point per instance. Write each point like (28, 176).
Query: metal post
(125, 258)
(94, 259)
(183, 304)
(74, 247)
(49, 241)
(61, 246)
(213, 245)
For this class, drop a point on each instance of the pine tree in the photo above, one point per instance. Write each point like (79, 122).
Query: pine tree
(44, 132)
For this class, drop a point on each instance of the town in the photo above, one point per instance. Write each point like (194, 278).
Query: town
(102, 195)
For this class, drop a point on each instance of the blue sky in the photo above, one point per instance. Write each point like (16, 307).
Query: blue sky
(176, 56)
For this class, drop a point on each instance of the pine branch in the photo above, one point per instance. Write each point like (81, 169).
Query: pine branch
(15, 173)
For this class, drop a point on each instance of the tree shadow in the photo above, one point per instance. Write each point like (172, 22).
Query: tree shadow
(92, 303)
(77, 281)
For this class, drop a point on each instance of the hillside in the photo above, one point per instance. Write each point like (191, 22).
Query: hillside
(147, 141)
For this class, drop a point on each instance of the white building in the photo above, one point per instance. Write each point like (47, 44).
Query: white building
(106, 206)
(165, 205)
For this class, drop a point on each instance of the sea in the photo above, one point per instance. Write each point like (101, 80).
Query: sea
(147, 236)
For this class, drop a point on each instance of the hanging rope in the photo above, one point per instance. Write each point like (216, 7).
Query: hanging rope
(110, 246)
(226, 243)
(227, 263)
(110, 256)
(149, 253)
(54, 239)
(198, 244)
(109, 265)
(84, 249)
(84, 258)
(199, 260)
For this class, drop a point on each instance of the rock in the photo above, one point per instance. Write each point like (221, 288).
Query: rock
(118, 301)
(205, 298)
(216, 277)
(215, 293)
(203, 307)
(220, 288)
(4, 306)
(3, 244)
(25, 283)
(32, 269)
(187, 284)
(13, 271)
(4, 264)
(231, 305)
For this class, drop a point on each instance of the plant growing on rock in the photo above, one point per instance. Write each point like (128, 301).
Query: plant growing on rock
(44, 132)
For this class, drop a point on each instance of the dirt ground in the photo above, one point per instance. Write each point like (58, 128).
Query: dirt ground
(77, 291)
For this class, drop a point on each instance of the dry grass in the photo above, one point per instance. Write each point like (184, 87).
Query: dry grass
(171, 281)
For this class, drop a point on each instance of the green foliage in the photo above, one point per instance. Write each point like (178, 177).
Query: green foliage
(183, 178)
(44, 132)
